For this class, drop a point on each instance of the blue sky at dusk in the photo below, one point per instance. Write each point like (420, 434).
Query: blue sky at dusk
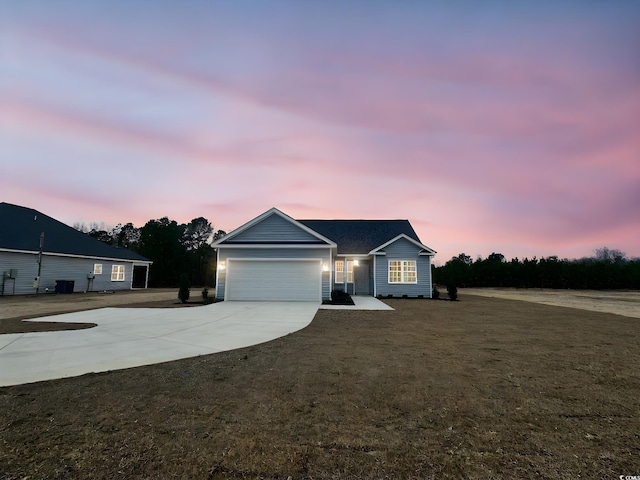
(509, 127)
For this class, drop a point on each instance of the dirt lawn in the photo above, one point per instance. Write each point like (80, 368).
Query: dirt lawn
(481, 388)
(625, 303)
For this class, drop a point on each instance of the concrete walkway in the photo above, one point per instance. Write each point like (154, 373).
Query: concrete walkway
(362, 302)
(131, 337)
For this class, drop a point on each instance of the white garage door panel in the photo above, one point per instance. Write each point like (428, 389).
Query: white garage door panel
(273, 280)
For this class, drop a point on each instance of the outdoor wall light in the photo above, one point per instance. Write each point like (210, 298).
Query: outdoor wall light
(222, 266)
(356, 263)
(325, 267)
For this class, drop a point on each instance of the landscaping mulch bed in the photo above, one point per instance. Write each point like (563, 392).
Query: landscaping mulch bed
(481, 388)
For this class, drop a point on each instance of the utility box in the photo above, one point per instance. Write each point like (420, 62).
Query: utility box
(65, 286)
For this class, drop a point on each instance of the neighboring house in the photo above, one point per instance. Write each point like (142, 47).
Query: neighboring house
(274, 257)
(70, 260)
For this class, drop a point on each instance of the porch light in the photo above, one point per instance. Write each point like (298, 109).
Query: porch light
(356, 263)
(325, 267)
(222, 266)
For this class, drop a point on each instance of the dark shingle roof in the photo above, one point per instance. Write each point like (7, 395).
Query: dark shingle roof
(20, 229)
(361, 236)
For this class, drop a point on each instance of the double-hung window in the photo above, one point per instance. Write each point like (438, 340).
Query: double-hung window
(97, 269)
(340, 271)
(402, 271)
(117, 273)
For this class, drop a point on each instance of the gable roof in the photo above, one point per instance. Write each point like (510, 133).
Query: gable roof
(425, 250)
(361, 236)
(229, 238)
(20, 229)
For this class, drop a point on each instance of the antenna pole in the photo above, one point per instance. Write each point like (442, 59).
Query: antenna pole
(39, 262)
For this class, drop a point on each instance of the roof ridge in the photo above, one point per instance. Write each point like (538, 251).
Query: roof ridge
(353, 220)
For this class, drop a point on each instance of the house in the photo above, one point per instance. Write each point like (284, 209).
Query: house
(39, 254)
(274, 257)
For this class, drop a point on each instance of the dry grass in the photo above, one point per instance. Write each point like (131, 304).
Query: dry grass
(481, 388)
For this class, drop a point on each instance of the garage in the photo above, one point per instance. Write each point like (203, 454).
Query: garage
(274, 280)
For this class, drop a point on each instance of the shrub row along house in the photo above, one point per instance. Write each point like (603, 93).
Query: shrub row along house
(274, 257)
(39, 254)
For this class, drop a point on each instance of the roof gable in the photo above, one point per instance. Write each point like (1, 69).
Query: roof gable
(20, 229)
(273, 227)
(424, 250)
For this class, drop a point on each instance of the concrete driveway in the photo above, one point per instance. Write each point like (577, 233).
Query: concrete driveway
(131, 337)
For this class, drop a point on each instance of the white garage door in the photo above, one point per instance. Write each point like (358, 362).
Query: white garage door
(277, 280)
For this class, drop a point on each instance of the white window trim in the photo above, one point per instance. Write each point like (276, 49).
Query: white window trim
(350, 271)
(339, 271)
(117, 273)
(404, 271)
(97, 269)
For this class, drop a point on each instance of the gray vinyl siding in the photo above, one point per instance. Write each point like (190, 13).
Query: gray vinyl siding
(59, 268)
(403, 250)
(322, 254)
(274, 229)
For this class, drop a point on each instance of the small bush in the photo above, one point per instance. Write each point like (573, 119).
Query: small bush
(435, 294)
(339, 297)
(205, 294)
(185, 285)
(452, 291)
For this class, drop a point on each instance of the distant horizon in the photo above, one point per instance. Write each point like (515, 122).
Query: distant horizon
(438, 259)
(507, 127)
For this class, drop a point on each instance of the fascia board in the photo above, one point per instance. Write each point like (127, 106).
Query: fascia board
(72, 255)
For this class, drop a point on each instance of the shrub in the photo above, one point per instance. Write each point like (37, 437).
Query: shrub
(452, 290)
(205, 294)
(435, 294)
(185, 285)
(340, 297)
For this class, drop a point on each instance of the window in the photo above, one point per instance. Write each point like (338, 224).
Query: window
(402, 271)
(97, 269)
(339, 271)
(117, 273)
(349, 271)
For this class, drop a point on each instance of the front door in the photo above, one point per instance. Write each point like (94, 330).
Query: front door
(361, 278)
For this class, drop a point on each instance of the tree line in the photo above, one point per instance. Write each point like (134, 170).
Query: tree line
(606, 269)
(175, 249)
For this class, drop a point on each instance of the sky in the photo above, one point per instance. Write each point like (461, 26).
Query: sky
(508, 127)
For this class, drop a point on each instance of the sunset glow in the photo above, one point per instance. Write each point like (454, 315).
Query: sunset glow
(509, 127)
